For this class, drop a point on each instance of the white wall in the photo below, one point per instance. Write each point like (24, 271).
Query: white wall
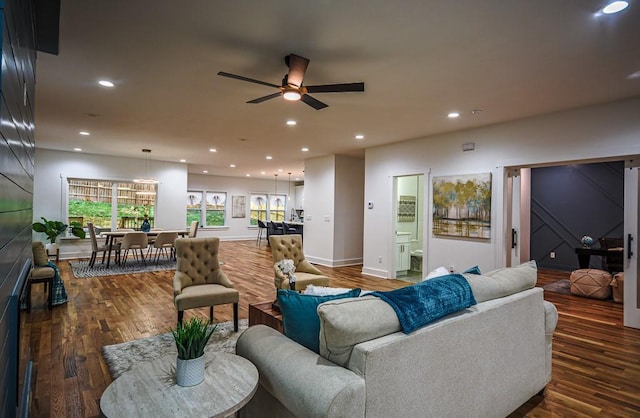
(348, 211)
(52, 168)
(319, 204)
(610, 130)
(239, 228)
(333, 210)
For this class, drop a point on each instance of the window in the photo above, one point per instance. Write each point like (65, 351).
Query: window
(101, 202)
(277, 207)
(194, 207)
(210, 211)
(215, 209)
(267, 207)
(258, 206)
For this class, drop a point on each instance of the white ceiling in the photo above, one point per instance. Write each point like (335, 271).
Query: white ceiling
(419, 60)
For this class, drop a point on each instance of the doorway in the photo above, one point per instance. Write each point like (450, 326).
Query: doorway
(409, 226)
(518, 193)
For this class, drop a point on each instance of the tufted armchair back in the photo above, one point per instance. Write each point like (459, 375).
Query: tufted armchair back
(197, 263)
(286, 246)
(290, 246)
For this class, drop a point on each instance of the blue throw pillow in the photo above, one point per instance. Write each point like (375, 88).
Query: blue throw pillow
(472, 270)
(300, 316)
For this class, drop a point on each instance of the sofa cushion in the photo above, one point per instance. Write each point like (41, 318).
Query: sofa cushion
(503, 282)
(300, 318)
(347, 322)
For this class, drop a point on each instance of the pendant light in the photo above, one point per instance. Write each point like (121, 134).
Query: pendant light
(289, 192)
(146, 179)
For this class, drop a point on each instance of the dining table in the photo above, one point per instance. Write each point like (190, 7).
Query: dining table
(112, 235)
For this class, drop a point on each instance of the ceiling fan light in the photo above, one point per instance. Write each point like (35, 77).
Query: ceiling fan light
(145, 180)
(291, 93)
(615, 7)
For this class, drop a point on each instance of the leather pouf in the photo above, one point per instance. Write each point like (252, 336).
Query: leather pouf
(591, 283)
(617, 287)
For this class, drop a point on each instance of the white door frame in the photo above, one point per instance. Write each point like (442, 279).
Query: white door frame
(631, 227)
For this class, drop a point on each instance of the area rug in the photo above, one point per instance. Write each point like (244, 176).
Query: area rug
(561, 286)
(82, 270)
(124, 356)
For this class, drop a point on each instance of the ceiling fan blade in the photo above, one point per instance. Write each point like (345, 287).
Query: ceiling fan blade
(250, 80)
(264, 98)
(335, 88)
(297, 68)
(314, 103)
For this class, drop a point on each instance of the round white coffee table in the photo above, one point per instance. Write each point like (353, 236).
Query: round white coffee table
(150, 389)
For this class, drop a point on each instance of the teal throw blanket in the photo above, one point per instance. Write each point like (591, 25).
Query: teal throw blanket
(419, 304)
(59, 291)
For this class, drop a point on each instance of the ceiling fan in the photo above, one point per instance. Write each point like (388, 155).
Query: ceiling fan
(292, 88)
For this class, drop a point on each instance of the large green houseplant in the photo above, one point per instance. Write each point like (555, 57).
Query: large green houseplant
(191, 339)
(53, 229)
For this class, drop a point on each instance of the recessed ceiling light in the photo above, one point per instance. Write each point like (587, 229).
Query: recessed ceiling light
(359, 136)
(279, 170)
(615, 7)
(634, 75)
(291, 122)
(232, 165)
(106, 83)
(268, 157)
(213, 150)
(305, 149)
(77, 149)
(248, 175)
(205, 171)
(183, 160)
(453, 115)
(263, 173)
(85, 133)
(297, 178)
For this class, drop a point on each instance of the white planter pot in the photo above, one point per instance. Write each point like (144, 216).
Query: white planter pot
(190, 372)
(52, 248)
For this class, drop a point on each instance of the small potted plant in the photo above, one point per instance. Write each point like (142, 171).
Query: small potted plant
(191, 338)
(53, 229)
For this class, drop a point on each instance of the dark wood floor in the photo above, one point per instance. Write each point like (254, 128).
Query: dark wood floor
(596, 361)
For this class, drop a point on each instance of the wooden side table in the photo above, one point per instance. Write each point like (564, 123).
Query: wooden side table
(150, 389)
(263, 313)
(55, 255)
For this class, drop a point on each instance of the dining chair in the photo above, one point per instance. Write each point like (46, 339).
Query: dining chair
(193, 229)
(152, 239)
(164, 243)
(134, 241)
(95, 247)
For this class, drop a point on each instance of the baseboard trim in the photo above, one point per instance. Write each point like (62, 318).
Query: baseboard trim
(335, 263)
(383, 274)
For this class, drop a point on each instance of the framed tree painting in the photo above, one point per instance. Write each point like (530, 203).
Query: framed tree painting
(462, 206)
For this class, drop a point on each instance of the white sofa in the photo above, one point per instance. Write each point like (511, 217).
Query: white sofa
(484, 361)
